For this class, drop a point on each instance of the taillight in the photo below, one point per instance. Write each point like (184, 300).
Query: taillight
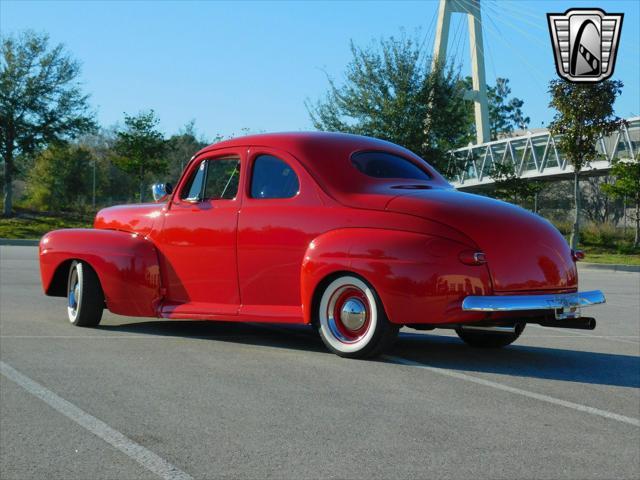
(469, 257)
(577, 255)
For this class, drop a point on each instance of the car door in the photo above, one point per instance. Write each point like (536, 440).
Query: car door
(197, 243)
(279, 218)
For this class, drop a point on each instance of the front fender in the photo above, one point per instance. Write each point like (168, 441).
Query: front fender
(126, 264)
(419, 278)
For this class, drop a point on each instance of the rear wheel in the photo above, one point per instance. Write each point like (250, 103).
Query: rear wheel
(351, 320)
(84, 294)
(489, 339)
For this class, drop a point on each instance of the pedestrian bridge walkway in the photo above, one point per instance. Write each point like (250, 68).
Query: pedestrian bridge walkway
(535, 156)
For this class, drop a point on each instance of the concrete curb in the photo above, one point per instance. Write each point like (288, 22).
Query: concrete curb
(609, 266)
(19, 242)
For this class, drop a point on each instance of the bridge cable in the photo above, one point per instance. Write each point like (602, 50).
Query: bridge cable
(429, 33)
(493, 29)
(538, 20)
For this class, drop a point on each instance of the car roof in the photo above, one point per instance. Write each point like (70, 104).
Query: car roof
(326, 156)
(299, 139)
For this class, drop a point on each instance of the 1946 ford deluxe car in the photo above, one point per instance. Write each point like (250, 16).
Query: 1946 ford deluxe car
(353, 235)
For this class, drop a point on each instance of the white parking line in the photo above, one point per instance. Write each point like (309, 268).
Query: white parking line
(75, 336)
(567, 335)
(613, 338)
(137, 452)
(518, 391)
(608, 337)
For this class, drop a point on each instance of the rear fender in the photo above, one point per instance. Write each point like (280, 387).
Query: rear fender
(419, 278)
(126, 264)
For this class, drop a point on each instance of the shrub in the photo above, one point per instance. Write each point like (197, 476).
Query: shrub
(61, 179)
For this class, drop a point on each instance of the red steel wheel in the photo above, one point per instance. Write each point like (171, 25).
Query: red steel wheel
(351, 320)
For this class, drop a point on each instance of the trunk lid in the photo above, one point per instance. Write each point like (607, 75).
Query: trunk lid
(524, 251)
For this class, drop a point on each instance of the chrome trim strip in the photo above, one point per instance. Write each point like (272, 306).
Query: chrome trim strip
(507, 303)
(490, 329)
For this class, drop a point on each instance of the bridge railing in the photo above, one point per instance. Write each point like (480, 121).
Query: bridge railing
(536, 155)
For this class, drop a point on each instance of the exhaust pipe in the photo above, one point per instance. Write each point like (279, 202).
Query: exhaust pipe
(582, 323)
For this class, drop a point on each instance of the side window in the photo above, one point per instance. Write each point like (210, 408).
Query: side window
(193, 188)
(222, 179)
(273, 178)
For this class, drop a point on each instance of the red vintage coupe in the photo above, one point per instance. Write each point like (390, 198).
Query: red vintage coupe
(353, 235)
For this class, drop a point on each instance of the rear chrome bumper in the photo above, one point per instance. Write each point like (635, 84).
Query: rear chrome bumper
(514, 303)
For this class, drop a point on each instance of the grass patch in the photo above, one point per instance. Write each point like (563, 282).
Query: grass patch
(33, 225)
(612, 258)
(605, 243)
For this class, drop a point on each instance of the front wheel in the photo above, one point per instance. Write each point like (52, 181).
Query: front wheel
(351, 320)
(84, 294)
(489, 339)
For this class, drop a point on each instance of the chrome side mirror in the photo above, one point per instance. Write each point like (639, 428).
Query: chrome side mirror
(161, 190)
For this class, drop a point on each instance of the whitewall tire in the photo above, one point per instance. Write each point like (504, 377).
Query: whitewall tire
(85, 300)
(351, 320)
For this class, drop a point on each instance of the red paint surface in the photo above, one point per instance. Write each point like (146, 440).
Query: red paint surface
(262, 259)
(126, 263)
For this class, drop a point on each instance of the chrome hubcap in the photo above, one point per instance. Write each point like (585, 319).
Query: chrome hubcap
(353, 314)
(348, 315)
(73, 296)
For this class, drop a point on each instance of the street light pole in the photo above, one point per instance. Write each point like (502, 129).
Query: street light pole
(93, 202)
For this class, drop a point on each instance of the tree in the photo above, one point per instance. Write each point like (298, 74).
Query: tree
(40, 101)
(505, 113)
(61, 178)
(181, 147)
(446, 122)
(391, 93)
(140, 148)
(100, 145)
(597, 206)
(584, 112)
(627, 185)
(509, 187)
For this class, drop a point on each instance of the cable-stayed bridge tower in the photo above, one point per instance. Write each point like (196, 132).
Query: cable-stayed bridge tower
(471, 8)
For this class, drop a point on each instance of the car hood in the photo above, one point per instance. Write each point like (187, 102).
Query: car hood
(138, 218)
(524, 251)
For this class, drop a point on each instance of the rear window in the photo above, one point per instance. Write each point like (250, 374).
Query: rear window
(387, 165)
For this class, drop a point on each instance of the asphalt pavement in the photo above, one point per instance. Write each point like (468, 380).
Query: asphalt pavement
(145, 398)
